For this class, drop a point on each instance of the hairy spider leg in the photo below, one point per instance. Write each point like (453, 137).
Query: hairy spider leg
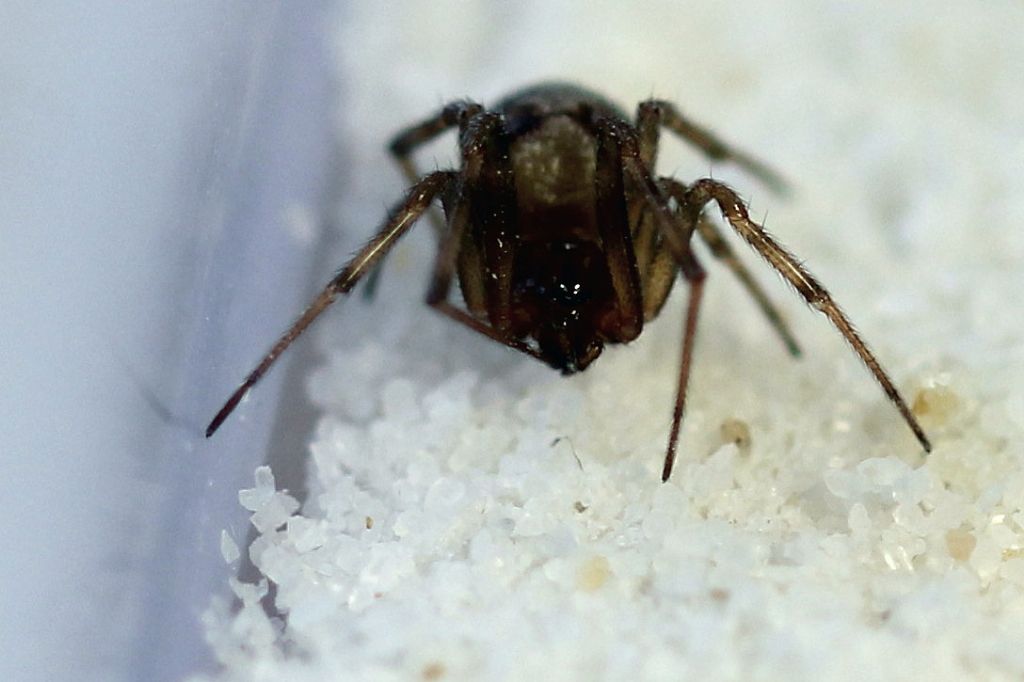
(614, 228)
(400, 219)
(485, 199)
(677, 234)
(651, 116)
(721, 250)
(729, 203)
(403, 145)
(657, 263)
(654, 114)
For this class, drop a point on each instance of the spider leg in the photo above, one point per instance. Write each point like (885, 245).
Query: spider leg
(404, 144)
(407, 141)
(695, 275)
(457, 113)
(704, 191)
(398, 222)
(676, 233)
(484, 198)
(656, 264)
(437, 298)
(658, 280)
(653, 114)
(613, 227)
(721, 250)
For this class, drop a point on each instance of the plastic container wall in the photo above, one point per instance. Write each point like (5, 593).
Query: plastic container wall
(153, 159)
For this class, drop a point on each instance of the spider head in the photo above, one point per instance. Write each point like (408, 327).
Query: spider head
(567, 350)
(561, 293)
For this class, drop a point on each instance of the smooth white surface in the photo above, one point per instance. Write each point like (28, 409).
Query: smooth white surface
(148, 155)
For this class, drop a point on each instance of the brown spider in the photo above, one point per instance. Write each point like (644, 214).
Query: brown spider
(563, 238)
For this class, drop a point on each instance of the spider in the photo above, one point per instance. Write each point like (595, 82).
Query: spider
(563, 239)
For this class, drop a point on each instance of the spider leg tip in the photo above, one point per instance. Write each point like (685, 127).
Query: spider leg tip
(212, 428)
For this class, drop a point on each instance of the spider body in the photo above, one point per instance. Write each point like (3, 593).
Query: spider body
(559, 290)
(563, 239)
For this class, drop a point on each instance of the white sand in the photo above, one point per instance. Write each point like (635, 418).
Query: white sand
(475, 516)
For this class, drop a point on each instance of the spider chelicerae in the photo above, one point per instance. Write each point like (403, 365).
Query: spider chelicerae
(564, 239)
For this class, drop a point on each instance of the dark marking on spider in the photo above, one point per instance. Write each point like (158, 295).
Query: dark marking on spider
(563, 239)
